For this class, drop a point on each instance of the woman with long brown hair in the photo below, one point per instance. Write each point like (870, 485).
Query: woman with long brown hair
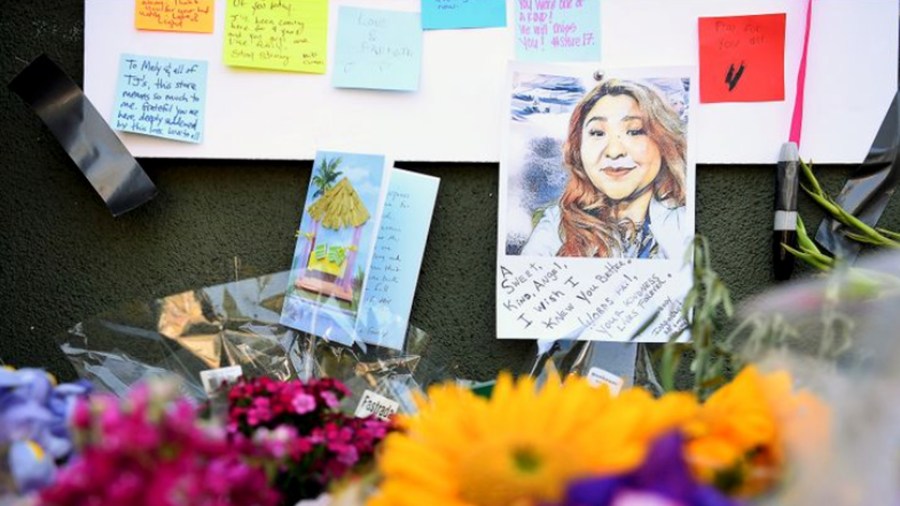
(626, 157)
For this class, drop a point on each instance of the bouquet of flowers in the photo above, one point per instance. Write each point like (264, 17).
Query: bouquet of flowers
(150, 448)
(319, 443)
(282, 441)
(569, 443)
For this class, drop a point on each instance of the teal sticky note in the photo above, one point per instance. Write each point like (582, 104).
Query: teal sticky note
(557, 30)
(452, 14)
(377, 49)
(162, 97)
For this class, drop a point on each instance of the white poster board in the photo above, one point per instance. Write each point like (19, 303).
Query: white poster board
(455, 115)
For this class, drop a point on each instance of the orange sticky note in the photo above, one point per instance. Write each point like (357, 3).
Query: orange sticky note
(742, 58)
(174, 15)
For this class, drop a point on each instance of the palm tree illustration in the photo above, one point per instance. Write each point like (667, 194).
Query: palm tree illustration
(326, 175)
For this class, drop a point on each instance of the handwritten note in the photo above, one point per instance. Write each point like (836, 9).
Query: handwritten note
(162, 97)
(378, 49)
(557, 30)
(289, 35)
(606, 300)
(742, 58)
(453, 14)
(395, 266)
(174, 15)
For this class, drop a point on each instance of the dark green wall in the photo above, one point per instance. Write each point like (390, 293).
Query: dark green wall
(64, 258)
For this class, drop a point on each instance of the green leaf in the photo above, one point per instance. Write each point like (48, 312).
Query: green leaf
(889, 233)
(812, 260)
(807, 171)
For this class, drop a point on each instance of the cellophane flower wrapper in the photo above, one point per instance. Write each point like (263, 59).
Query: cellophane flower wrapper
(237, 324)
(838, 337)
(394, 374)
(183, 334)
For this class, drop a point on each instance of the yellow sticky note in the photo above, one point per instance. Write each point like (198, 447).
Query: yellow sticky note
(289, 35)
(174, 15)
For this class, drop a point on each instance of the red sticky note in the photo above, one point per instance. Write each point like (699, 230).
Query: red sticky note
(742, 58)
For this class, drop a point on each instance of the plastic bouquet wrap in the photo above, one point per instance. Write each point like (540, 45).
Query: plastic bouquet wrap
(237, 325)
(233, 324)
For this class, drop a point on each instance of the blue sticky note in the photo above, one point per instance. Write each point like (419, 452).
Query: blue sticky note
(162, 97)
(394, 272)
(557, 30)
(452, 14)
(377, 49)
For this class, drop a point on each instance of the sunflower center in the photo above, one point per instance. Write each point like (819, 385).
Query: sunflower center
(526, 460)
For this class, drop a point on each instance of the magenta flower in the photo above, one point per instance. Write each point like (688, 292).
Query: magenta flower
(297, 430)
(662, 480)
(303, 403)
(331, 400)
(150, 449)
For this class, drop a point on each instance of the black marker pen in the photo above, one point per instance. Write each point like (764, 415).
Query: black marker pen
(785, 227)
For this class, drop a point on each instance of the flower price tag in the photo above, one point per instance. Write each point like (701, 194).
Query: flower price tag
(597, 377)
(376, 404)
(212, 379)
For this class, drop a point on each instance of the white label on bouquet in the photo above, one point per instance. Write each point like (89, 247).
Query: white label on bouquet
(212, 378)
(376, 404)
(597, 377)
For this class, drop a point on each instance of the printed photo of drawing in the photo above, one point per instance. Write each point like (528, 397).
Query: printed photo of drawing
(335, 242)
(597, 166)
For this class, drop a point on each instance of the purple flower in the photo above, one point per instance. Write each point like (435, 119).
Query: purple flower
(34, 416)
(662, 480)
(31, 467)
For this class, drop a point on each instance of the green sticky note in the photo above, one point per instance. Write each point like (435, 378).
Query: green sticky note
(288, 35)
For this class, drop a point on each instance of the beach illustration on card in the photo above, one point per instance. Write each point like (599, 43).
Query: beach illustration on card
(335, 242)
(596, 209)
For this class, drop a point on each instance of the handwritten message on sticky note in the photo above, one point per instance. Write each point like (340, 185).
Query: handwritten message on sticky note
(453, 14)
(377, 49)
(289, 35)
(174, 15)
(394, 271)
(742, 58)
(557, 30)
(162, 97)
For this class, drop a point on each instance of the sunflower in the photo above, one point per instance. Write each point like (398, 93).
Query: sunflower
(742, 432)
(523, 445)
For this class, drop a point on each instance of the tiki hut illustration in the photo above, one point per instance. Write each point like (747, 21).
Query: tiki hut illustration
(328, 268)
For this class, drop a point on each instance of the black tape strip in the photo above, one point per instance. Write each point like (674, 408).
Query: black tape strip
(869, 189)
(84, 134)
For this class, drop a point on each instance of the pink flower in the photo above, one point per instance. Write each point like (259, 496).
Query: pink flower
(152, 451)
(330, 399)
(303, 403)
(260, 411)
